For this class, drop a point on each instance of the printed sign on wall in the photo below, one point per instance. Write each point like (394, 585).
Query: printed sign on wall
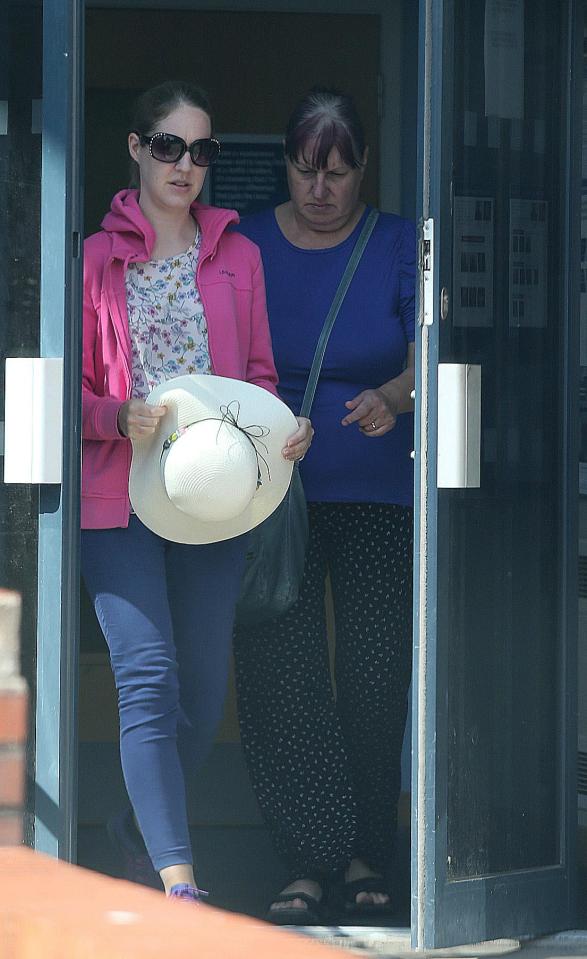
(249, 174)
(504, 58)
(473, 261)
(528, 262)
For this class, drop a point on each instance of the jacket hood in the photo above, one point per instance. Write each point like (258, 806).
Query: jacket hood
(133, 236)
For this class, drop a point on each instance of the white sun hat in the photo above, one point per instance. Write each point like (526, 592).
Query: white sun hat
(214, 468)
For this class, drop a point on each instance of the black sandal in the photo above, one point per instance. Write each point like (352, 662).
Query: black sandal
(367, 884)
(312, 914)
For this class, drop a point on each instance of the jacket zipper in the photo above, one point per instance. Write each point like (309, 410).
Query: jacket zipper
(210, 256)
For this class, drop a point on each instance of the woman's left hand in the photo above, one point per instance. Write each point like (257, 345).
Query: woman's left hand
(298, 443)
(374, 410)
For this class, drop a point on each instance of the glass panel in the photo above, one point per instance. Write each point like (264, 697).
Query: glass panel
(500, 555)
(20, 191)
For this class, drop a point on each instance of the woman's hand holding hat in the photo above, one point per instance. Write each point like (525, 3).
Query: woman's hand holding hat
(215, 467)
(299, 442)
(136, 418)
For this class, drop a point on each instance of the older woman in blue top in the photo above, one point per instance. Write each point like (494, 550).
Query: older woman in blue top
(324, 759)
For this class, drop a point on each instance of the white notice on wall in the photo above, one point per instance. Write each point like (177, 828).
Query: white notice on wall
(504, 58)
(473, 261)
(528, 262)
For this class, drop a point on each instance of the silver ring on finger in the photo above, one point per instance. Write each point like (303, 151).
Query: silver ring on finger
(373, 425)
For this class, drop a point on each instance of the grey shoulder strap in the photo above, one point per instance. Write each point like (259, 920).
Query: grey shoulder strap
(339, 296)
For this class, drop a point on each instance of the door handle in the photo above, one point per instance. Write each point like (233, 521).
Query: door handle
(459, 426)
(33, 428)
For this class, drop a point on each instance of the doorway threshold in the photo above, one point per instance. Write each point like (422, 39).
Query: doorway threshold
(394, 943)
(388, 942)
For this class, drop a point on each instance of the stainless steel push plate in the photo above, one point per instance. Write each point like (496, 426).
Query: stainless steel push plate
(459, 426)
(33, 431)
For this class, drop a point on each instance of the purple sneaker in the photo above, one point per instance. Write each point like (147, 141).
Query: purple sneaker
(128, 842)
(183, 890)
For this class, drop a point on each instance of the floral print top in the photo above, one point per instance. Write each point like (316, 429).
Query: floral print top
(168, 331)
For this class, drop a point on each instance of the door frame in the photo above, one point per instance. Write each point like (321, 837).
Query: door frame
(55, 770)
(433, 897)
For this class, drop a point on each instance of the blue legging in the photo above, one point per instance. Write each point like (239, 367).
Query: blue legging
(166, 611)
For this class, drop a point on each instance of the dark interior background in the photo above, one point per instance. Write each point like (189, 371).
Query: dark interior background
(255, 67)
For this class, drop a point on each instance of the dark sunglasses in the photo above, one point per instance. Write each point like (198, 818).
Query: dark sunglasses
(169, 149)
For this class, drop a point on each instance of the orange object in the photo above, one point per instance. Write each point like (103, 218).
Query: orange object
(52, 910)
(13, 713)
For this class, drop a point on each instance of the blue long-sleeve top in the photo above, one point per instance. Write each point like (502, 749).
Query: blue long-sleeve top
(367, 347)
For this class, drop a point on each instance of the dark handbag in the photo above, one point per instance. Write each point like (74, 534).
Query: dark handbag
(274, 564)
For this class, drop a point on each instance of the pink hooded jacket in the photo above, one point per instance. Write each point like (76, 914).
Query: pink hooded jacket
(230, 280)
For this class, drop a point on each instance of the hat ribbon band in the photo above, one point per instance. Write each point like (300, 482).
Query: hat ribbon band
(254, 433)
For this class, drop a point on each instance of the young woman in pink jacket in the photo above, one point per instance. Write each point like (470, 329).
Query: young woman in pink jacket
(168, 290)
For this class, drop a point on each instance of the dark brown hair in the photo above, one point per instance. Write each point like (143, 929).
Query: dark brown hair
(155, 104)
(326, 119)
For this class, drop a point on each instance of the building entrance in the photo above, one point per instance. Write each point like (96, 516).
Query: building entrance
(495, 182)
(276, 55)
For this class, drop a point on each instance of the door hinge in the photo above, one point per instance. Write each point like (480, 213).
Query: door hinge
(427, 273)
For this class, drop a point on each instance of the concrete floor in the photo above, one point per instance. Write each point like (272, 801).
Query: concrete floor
(231, 865)
(395, 944)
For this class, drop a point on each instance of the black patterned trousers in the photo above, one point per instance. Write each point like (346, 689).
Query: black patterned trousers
(325, 760)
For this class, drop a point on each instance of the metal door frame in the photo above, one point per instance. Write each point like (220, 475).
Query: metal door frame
(441, 910)
(55, 786)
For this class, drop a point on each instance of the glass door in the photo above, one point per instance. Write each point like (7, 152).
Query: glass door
(494, 743)
(40, 334)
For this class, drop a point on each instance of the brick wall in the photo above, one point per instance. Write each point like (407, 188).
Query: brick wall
(13, 722)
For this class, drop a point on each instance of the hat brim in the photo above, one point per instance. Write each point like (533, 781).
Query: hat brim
(200, 396)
